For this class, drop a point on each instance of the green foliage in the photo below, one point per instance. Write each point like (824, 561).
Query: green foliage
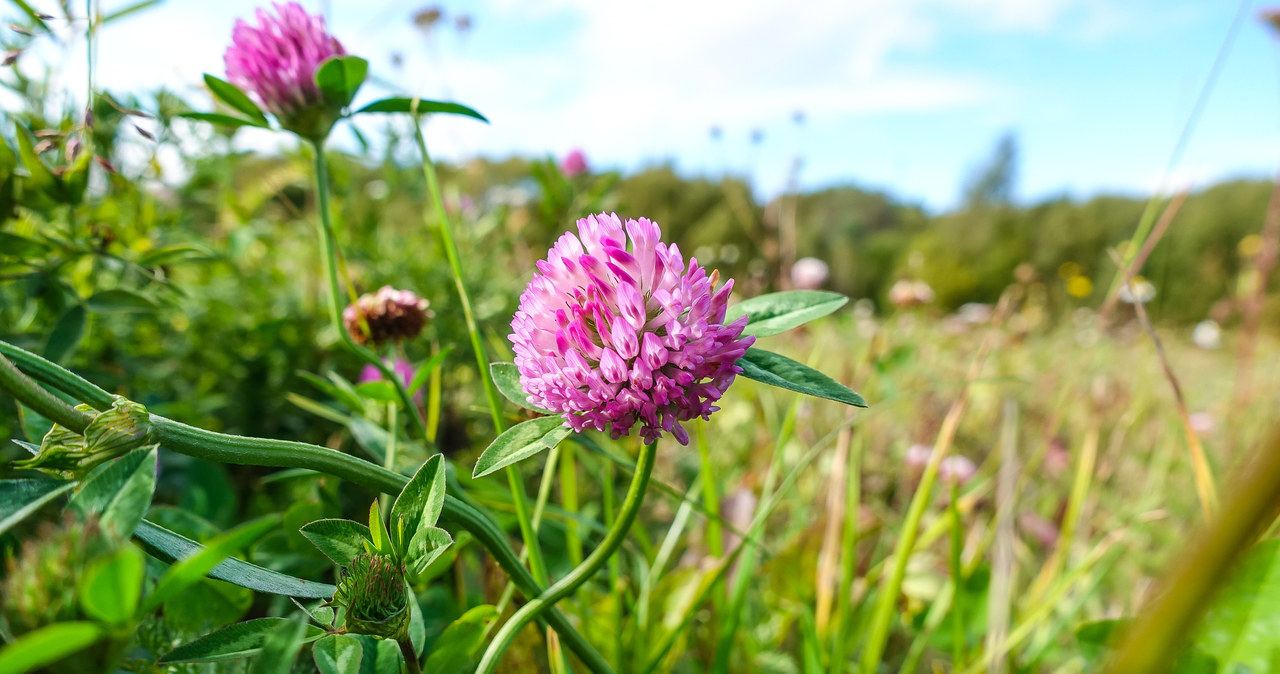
(779, 312)
(520, 442)
(46, 646)
(778, 370)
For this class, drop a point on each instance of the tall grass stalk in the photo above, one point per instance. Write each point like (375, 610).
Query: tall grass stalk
(515, 482)
(743, 577)
(829, 555)
(999, 594)
(1070, 519)
(848, 547)
(1183, 593)
(957, 577)
(882, 616)
(1205, 488)
(329, 262)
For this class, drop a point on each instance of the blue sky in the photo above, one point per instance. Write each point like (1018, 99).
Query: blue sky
(902, 95)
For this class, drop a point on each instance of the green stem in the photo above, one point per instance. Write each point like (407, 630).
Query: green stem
(389, 461)
(957, 602)
(410, 657)
(882, 615)
(330, 263)
(40, 400)
(518, 495)
(848, 554)
(238, 450)
(580, 574)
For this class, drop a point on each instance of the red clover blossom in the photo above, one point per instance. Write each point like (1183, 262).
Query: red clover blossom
(615, 330)
(277, 59)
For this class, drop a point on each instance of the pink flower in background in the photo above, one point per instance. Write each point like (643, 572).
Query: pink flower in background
(809, 273)
(277, 59)
(956, 470)
(401, 368)
(574, 163)
(615, 330)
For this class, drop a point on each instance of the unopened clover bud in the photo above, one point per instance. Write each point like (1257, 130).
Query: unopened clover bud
(62, 452)
(373, 592)
(119, 430)
(388, 315)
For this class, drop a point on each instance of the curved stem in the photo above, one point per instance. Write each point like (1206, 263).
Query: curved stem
(55, 376)
(514, 481)
(40, 400)
(330, 263)
(579, 575)
(233, 449)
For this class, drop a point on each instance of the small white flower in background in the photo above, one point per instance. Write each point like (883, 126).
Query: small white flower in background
(923, 293)
(956, 470)
(1207, 334)
(1202, 422)
(864, 309)
(917, 456)
(809, 273)
(975, 313)
(1137, 291)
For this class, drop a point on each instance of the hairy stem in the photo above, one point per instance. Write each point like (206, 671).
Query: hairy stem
(580, 574)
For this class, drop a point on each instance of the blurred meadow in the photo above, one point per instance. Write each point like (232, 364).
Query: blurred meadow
(182, 272)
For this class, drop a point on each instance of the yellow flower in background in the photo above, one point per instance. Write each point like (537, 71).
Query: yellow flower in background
(1068, 271)
(1079, 286)
(1250, 245)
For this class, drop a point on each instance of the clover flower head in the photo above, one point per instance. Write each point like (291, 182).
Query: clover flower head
(574, 163)
(276, 60)
(372, 590)
(616, 331)
(385, 316)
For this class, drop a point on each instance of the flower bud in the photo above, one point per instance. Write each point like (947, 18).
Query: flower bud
(119, 430)
(124, 427)
(373, 592)
(62, 452)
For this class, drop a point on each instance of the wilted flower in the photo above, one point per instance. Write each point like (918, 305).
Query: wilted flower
(574, 163)
(612, 337)
(809, 273)
(372, 590)
(1137, 291)
(1207, 334)
(402, 368)
(385, 316)
(956, 470)
(277, 60)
